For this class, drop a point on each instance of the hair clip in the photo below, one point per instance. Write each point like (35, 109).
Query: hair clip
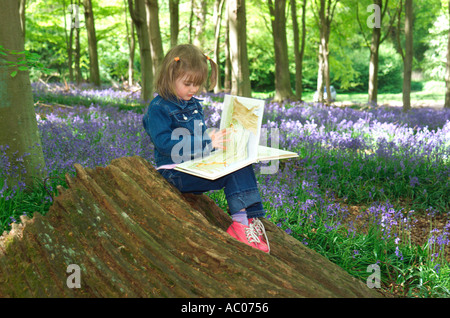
(207, 57)
(176, 59)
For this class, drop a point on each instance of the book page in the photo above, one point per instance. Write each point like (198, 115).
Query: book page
(268, 153)
(242, 118)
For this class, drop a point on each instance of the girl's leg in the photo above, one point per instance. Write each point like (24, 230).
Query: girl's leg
(242, 194)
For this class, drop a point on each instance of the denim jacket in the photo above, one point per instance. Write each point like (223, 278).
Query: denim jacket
(177, 130)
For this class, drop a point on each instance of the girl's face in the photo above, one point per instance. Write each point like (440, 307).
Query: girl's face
(185, 89)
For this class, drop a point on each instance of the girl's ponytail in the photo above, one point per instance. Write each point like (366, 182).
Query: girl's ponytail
(214, 73)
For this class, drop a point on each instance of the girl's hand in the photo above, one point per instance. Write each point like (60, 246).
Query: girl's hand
(217, 138)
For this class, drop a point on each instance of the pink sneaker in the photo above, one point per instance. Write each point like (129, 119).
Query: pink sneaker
(260, 231)
(244, 234)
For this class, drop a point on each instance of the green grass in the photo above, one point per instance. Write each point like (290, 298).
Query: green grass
(431, 91)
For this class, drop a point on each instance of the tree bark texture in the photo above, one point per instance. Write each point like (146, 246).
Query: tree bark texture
(199, 11)
(283, 90)
(299, 49)
(133, 235)
(447, 75)
(218, 9)
(18, 126)
(154, 33)
(240, 73)
(174, 21)
(131, 40)
(321, 66)
(407, 72)
(326, 14)
(94, 70)
(139, 17)
(374, 58)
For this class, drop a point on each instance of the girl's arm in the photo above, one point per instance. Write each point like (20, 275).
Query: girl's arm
(173, 142)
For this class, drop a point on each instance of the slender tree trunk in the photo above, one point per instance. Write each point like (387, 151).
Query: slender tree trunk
(326, 14)
(69, 42)
(18, 127)
(447, 75)
(79, 76)
(376, 21)
(408, 55)
(283, 89)
(373, 71)
(200, 12)
(138, 14)
(326, 62)
(131, 46)
(191, 19)
(321, 69)
(227, 68)
(92, 41)
(174, 21)
(154, 33)
(299, 49)
(218, 8)
(374, 57)
(70, 55)
(240, 74)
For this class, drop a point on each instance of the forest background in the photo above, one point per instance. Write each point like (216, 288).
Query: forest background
(56, 32)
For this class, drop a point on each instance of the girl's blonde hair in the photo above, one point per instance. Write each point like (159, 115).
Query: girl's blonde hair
(184, 60)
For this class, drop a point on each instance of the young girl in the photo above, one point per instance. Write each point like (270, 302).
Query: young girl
(182, 74)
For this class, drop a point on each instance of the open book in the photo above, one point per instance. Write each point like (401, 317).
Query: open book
(242, 118)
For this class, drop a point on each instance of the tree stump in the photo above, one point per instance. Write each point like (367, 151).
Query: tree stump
(131, 234)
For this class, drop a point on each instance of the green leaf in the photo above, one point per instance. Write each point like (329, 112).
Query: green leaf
(23, 68)
(14, 73)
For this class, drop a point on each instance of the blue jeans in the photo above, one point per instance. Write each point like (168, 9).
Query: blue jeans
(240, 188)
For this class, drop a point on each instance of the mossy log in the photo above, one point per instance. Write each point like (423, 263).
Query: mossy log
(133, 235)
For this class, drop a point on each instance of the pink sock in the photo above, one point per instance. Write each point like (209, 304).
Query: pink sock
(241, 217)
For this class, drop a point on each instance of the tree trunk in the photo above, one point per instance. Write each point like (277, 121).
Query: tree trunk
(326, 63)
(18, 126)
(191, 19)
(374, 57)
(79, 75)
(131, 40)
(283, 89)
(326, 14)
(174, 21)
(218, 8)
(376, 23)
(321, 66)
(299, 49)
(70, 55)
(69, 42)
(138, 14)
(408, 55)
(123, 231)
(240, 73)
(447, 75)
(199, 11)
(92, 43)
(373, 71)
(227, 68)
(154, 33)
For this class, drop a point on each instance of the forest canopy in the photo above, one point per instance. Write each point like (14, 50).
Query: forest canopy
(48, 29)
